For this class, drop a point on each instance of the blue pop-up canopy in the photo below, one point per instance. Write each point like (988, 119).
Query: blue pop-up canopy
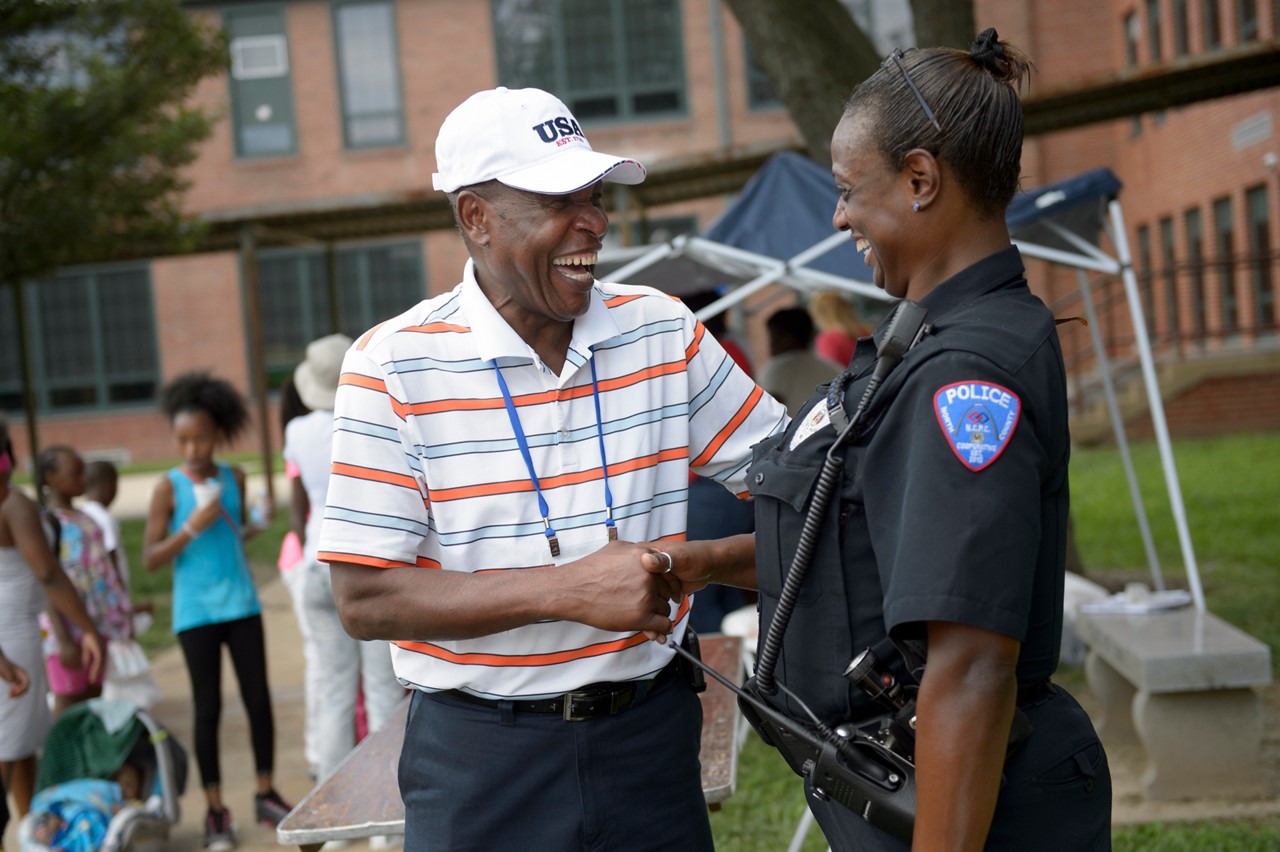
(784, 210)
(778, 230)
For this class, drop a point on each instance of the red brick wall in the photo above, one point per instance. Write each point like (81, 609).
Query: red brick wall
(1220, 406)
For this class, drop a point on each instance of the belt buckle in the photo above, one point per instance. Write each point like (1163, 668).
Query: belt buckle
(591, 702)
(568, 711)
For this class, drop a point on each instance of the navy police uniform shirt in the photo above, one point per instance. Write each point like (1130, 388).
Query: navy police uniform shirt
(951, 502)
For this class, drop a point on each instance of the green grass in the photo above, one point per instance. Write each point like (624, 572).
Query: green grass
(1234, 835)
(1230, 487)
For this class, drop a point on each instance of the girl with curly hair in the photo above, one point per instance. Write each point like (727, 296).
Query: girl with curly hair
(197, 521)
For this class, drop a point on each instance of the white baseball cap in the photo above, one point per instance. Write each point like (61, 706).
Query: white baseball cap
(525, 138)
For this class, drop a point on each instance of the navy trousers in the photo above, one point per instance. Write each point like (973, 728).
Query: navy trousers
(1057, 797)
(486, 779)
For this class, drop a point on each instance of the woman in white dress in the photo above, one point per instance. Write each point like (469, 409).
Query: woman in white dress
(29, 576)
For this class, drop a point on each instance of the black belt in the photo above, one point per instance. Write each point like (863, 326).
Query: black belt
(593, 700)
(1030, 691)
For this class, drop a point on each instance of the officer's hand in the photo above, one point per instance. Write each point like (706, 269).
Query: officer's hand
(679, 564)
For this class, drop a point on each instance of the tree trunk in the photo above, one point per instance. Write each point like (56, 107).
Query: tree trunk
(943, 23)
(814, 54)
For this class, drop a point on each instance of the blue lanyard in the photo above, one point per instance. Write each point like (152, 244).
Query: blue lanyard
(549, 531)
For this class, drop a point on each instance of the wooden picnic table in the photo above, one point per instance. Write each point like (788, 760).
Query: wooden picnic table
(362, 797)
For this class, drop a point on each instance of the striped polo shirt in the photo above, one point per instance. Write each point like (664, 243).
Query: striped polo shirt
(427, 471)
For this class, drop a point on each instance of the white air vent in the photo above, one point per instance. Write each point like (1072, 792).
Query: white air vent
(257, 57)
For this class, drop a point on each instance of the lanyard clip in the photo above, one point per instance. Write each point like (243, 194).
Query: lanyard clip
(552, 541)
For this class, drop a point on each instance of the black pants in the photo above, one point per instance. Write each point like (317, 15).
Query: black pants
(1057, 797)
(476, 779)
(202, 648)
(4, 810)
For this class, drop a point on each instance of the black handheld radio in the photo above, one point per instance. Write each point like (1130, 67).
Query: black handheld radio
(871, 775)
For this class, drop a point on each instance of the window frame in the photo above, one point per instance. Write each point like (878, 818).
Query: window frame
(1169, 273)
(311, 315)
(1248, 27)
(1211, 15)
(346, 117)
(1257, 212)
(1155, 23)
(756, 75)
(102, 379)
(624, 91)
(1146, 277)
(1224, 237)
(235, 86)
(1193, 228)
(1181, 28)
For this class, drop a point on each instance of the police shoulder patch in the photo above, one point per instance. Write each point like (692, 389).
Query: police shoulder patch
(978, 419)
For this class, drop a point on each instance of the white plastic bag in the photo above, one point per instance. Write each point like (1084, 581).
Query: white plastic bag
(129, 675)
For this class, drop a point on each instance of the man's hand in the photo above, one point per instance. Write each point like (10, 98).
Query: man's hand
(612, 590)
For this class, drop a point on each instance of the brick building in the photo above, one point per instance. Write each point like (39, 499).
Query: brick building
(329, 112)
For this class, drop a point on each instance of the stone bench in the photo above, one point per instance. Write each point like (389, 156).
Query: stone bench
(1182, 681)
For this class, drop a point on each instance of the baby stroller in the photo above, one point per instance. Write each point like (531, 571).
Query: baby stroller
(98, 741)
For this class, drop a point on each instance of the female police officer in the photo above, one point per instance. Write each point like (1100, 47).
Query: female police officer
(947, 519)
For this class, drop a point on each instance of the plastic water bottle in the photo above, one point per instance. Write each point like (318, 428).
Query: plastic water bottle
(260, 510)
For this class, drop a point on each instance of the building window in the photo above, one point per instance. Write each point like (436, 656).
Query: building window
(1145, 278)
(1131, 38)
(606, 59)
(1224, 246)
(1153, 30)
(368, 75)
(1195, 270)
(1169, 262)
(760, 91)
(261, 88)
(371, 284)
(1212, 25)
(93, 340)
(1258, 214)
(1247, 19)
(1181, 32)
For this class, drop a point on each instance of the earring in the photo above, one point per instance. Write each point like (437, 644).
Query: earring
(916, 207)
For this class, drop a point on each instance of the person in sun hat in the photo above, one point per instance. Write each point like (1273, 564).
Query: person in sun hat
(501, 454)
(338, 666)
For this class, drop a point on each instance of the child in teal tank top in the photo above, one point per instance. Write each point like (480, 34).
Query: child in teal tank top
(197, 521)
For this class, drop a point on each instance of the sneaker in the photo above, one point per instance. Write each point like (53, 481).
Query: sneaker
(219, 833)
(270, 808)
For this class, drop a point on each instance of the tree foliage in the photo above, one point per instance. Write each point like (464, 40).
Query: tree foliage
(95, 127)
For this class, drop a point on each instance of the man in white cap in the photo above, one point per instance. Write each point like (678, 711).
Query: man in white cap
(338, 666)
(497, 451)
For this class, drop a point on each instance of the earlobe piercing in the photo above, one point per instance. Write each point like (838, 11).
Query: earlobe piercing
(916, 207)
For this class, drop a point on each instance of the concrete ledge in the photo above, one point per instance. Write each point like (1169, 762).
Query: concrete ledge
(1177, 650)
(1181, 682)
